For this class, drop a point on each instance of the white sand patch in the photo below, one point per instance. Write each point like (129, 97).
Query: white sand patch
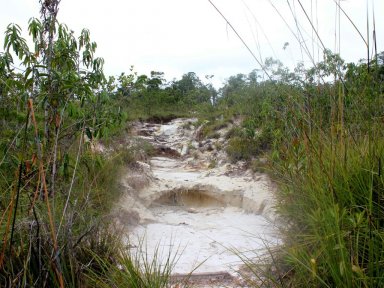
(205, 239)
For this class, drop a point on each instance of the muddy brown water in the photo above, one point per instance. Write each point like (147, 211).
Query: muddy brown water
(189, 199)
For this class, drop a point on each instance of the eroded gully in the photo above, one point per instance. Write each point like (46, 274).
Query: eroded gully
(196, 206)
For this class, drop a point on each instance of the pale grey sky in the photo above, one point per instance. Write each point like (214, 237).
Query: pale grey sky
(178, 36)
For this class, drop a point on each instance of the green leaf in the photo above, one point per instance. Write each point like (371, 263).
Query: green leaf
(6, 39)
(27, 72)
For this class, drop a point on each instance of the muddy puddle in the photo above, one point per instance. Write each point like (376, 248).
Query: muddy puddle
(188, 199)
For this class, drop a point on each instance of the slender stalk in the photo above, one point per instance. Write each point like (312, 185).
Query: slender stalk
(242, 40)
(16, 205)
(72, 181)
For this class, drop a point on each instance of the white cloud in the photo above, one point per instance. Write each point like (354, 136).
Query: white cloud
(178, 36)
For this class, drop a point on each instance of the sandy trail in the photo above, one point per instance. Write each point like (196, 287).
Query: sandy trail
(201, 215)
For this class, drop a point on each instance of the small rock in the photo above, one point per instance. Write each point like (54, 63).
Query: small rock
(143, 166)
(184, 150)
(195, 144)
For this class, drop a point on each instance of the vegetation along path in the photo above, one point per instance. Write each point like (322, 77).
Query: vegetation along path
(180, 189)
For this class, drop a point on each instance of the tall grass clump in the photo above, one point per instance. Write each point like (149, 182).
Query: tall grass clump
(135, 269)
(329, 166)
(332, 199)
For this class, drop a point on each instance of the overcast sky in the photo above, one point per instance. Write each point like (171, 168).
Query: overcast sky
(179, 36)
